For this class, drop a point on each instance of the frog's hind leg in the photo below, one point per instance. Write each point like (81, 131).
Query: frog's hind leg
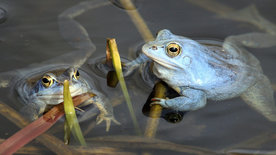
(252, 40)
(260, 97)
(105, 108)
(72, 31)
(251, 15)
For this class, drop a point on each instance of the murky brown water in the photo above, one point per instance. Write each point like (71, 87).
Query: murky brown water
(30, 35)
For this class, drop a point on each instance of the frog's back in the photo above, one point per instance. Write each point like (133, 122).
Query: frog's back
(243, 70)
(228, 51)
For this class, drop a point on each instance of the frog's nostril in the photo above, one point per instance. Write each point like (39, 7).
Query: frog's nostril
(154, 47)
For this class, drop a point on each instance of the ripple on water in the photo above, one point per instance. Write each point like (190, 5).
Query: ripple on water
(99, 66)
(118, 4)
(3, 15)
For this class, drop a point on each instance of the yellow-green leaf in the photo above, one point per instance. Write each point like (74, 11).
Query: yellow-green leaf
(71, 118)
(118, 68)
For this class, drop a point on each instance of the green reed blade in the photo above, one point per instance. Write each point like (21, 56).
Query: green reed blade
(71, 118)
(118, 68)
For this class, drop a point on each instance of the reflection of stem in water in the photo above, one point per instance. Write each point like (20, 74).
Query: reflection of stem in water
(137, 20)
(212, 6)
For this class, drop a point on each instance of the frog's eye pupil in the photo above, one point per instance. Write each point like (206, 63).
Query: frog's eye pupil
(76, 75)
(173, 49)
(45, 80)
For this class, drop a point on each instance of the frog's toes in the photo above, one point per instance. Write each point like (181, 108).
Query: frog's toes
(159, 101)
(108, 119)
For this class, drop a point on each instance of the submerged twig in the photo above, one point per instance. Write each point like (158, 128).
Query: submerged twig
(112, 79)
(28, 149)
(134, 142)
(37, 127)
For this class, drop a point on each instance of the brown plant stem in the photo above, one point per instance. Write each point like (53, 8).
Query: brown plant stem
(155, 111)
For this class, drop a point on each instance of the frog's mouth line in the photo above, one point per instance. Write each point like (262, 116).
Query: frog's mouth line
(58, 96)
(163, 63)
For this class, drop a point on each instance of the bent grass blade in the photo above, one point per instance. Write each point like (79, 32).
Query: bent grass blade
(118, 68)
(70, 114)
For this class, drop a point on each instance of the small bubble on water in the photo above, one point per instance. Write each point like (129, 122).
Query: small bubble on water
(118, 4)
(3, 15)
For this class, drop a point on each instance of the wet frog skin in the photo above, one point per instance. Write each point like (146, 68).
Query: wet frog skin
(40, 91)
(40, 85)
(199, 71)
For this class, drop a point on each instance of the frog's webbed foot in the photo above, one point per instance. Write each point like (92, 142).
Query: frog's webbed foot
(253, 40)
(159, 101)
(105, 108)
(192, 100)
(260, 97)
(108, 119)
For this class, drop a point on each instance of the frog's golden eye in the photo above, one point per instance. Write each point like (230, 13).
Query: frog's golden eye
(47, 81)
(173, 49)
(76, 74)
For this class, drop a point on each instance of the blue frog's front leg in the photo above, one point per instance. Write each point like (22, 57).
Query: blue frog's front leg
(134, 64)
(190, 99)
(105, 108)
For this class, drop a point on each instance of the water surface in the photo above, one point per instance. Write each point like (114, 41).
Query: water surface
(31, 35)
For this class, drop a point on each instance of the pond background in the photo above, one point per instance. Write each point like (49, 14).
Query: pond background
(31, 35)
